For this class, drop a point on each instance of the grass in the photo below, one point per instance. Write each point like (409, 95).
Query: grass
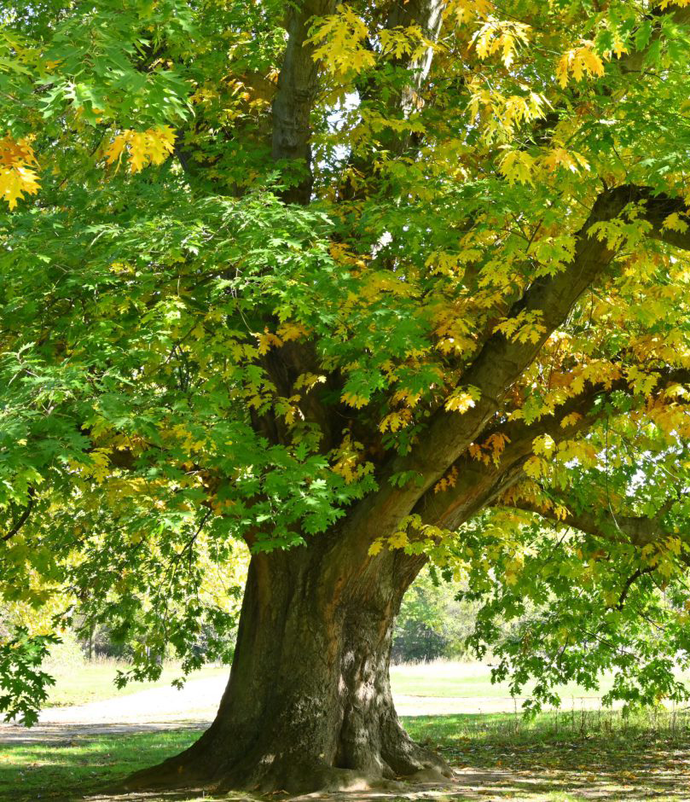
(446, 679)
(69, 769)
(574, 755)
(92, 682)
(570, 756)
(473, 681)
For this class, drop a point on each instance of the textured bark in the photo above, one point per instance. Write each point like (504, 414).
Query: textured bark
(308, 705)
(294, 99)
(428, 15)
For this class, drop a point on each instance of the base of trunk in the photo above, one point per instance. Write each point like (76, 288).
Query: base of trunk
(308, 706)
(266, 771)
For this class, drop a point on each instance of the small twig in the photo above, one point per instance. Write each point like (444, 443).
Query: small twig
(191, 541)
(22, 518)
(630, 582)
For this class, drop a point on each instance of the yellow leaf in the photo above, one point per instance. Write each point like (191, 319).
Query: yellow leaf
(152, 146)
(291, 331)
(496, 444)
(666, 3)
(267, 340)
(116, 149)
(465, 10)
(518, 166)
(396, 420)
(544, 444)
(560, 157)
(536, 467)
(340, 42)
(376, 547)
(448, 480)
(354, 400)
(461, 400)
(579, 61)
(619, 47)
(309, 381)
(500, 35)
(17, 176)
(674, 223)
(398, 540)
(642, 382)
(562, 69)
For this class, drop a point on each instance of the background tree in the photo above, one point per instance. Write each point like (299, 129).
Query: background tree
(362, 286)
(432, 623)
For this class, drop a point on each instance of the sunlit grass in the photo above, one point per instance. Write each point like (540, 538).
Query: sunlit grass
(69, 769)
(94, 681)
(473, 681)
(570, 756)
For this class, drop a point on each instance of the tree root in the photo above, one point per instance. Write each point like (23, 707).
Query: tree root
(289, 772)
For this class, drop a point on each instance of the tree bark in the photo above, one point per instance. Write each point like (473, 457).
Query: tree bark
(308, 706)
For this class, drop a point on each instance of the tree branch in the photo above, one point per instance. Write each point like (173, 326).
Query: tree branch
(640, 572)
(295, 95)
(479, 484)
(501, 362)
(23, 518)
(637, 531)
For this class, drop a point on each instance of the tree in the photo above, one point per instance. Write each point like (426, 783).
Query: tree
(431, 623)
(364, 286)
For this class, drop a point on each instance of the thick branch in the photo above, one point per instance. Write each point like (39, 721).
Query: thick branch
(638, 531)
(501, 362)
(478, 485)
(294, 99)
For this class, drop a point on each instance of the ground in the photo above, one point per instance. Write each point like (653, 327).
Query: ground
(580, 753)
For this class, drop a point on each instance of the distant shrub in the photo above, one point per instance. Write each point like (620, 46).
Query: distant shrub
(67, 654)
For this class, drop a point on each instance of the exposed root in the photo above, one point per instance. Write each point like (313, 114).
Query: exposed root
(173, 773)
(270, 773)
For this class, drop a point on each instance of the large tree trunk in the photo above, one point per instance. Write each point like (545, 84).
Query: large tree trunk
(308, 705)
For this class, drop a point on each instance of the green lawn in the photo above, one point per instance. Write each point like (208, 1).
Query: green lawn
(470, 680)
(565, 757)
(94, 681)
(67, 770)
(465, 680)
(446, 679)
(570, 756)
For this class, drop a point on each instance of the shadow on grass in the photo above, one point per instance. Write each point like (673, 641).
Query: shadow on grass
(560, 757)
(569, 755)
(70, 769)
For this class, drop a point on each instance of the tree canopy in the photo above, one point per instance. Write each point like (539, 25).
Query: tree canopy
(409, 275)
